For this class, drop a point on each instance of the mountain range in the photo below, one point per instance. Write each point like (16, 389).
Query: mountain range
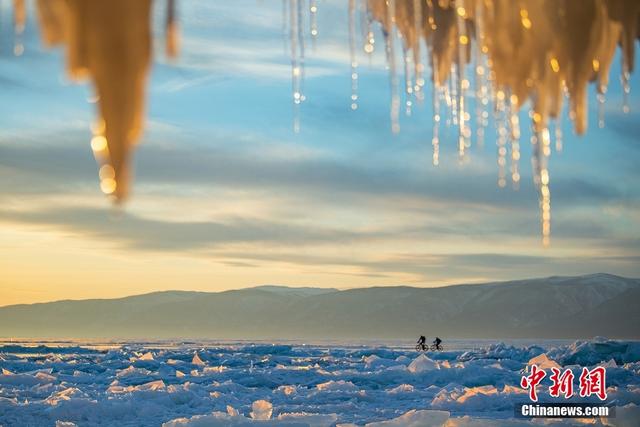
(553, 307)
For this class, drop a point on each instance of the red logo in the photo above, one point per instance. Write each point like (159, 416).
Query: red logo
(562, 383)
(531, 381)
(592, 382)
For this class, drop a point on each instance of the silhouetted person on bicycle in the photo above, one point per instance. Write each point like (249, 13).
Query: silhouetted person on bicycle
(437, 342)
(421, 342)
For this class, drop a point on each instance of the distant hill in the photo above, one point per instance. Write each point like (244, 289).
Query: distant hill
(554, 307)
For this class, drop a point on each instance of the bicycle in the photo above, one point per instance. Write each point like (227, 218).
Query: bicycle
(432, 347)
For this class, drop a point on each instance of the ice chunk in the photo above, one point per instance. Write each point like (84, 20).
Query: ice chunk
(403, 359)
(402, 388)
(133, 371)
(197, 361)
(590, 353)
(374, 362)
(213, 369)
(414, 418)
(147, 356)
(340, 385)
(543, 362)
(474, 391)
(509, 389)
(502, 351)
(287, 389)
(65, 394)
(261, 410)
(150, 386)
(422, 364)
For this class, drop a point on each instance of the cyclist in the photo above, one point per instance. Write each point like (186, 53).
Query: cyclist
(421, 342)
(437, 342)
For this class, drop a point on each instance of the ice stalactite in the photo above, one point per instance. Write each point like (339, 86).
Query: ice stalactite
(19, 22)
(353, 54)
(108, 43)
(534, 53)
(297, 52)
(171, 30)
(313, 21)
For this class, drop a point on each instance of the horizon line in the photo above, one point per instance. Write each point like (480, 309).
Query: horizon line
(338, 289)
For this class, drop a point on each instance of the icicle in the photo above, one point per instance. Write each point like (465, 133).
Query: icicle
(369, 38)
(601, 96)
(391, 57)
(435, 142)
(626, 88)
(297, 59)
(558, 134)
(313, 21)
(461, 84)
(502, 138)
(352, 52)
(171, 46)
(417, 55)
(19, 22)
(119, 76)
(453, 95)
(514, 122)
(408, 83)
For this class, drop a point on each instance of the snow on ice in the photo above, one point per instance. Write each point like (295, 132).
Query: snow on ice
(194, 384)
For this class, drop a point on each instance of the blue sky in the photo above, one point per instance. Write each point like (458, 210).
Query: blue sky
(226, 195)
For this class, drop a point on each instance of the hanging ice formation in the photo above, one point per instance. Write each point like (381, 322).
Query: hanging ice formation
(108, 43)
(492, 57)
(489, 57)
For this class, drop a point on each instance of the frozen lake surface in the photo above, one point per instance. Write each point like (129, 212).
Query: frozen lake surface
(205, 383)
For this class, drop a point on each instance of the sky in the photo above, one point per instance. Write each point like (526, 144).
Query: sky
(227, 196)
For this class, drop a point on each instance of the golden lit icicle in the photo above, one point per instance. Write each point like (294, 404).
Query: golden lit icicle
(391, 58)
(352, 53)
(514, 122)
(481, 99)
(110, 42)
(453, 96)
(53, 19)
(369, 38)
(417, 52)
(172, 32)
(502, 137)
(461, 83)
(19, 23)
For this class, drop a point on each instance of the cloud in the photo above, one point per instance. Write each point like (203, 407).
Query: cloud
(136, 232)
